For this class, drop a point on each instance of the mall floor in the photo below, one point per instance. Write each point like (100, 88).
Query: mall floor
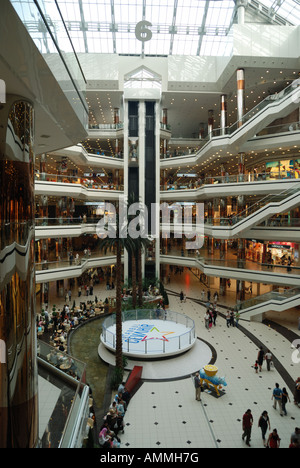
(163, 413)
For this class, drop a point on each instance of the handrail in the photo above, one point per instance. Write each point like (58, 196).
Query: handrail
(276, 295)
(87, 182)
(231, 179)
(238, 125)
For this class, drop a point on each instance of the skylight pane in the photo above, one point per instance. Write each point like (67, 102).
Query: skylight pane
(70, 10)
(290, 12)
(128, 11)
(159, 46)
(160, 11)
(78, 44)
(127, 44)
(100, 42)
(190, 13)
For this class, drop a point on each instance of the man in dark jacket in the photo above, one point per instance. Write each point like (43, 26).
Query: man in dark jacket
(247, 426)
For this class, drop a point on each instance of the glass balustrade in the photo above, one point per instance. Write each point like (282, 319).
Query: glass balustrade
(229, 179)
(250, 209)
(66, 261)
(102, 154)
(277, 295)
(233, 263)
(184, 340)
(61, 221)
(69, 374)
(87, 182)
(238, 125)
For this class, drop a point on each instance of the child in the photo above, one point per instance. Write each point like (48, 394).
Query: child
(256, 366)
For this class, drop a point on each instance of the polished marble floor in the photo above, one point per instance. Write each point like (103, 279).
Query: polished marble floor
(163, 413)
(166, 414)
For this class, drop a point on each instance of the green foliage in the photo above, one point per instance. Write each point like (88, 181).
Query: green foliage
(116, 378)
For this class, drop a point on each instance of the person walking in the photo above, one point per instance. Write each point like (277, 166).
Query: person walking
(264, 424)
(228, 318)
(232, 318)
(273, 439)
(277, 397)
(284, 400)
(268, 358)
(181, 296)
(206, 320)
(247, 426)
(297, 392)
(260, 358)
(215, 314)
(197, 384)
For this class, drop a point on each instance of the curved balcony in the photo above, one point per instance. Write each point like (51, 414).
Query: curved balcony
(237, 184)
(62, 269)
(79, 187)
(243, 270)
(233, 226)
(278, 301)
(220, 140)
(64, 227)
(80, 156)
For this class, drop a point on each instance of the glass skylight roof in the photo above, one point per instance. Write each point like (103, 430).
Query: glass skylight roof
(188, 27)
(185, 27)
(287, 9)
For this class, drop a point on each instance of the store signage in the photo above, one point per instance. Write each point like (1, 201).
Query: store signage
(92, 174)
(142, 33)
(279, 246)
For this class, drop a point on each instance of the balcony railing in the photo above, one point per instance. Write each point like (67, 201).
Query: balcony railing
(231, 179)
(87, 182)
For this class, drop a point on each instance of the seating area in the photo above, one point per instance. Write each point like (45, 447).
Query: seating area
(55, 325)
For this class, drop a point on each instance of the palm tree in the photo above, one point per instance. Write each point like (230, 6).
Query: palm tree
(122, 241)
(118, 243)
(138, 245)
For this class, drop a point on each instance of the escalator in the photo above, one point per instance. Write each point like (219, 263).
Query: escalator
(224, 228)
(278, 301)
(230, 139)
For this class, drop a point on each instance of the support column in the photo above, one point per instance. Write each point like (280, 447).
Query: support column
(18, 364)
(240, 75)
(241, 167)
(223, 114)
(116, 116)
(210, 220)
(241, 253)
(43, 167)
(201, 130)
(165, 148)
(241, 4)
(165, 118)
(117, 148)
(210, 123)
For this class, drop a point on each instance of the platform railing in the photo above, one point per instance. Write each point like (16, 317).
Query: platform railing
(136, 341)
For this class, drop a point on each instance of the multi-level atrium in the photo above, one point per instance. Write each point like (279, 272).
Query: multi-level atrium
(187, 105)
